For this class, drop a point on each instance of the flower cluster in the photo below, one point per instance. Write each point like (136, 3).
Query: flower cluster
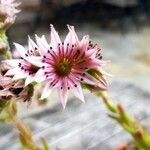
(8, 13)
(65, 66)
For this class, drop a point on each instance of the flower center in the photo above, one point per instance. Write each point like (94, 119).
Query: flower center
(63, 67)
(29, 68)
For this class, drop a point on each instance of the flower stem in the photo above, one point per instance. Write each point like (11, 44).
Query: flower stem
(25, 133)
(4, 45)
(128, 122)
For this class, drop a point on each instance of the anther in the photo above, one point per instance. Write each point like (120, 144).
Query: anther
(68, 88)
(51, 48)
(100, 57)
(78, 51)
(67, 44)
(81, 79)
(75, 85)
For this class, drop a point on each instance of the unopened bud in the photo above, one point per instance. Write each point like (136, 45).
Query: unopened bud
(122, 147)
(3, 47)
(139, 134)
(120, 109)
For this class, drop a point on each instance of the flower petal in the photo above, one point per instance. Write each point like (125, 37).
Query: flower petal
(54, 38)
(78, 92)
(29, 80)
(46, 92)
(22, 51)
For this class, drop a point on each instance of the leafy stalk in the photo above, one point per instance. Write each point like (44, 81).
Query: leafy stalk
(128, 122)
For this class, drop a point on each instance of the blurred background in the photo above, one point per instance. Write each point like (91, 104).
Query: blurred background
(122, 29)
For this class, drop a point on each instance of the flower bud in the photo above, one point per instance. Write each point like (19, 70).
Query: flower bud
(3, 47)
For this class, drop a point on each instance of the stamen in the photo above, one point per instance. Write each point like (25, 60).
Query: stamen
(83, 74)
(19, 65)
(75, 85)
(100, 57)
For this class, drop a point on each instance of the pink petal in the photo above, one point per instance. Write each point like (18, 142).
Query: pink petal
(31, 44)
(37, 61)
(84, 43)
(40, 76)
(46, 92)
(54, 37)
(22, 51)
(13, 62)
(43, 45)
(12, 71)
(78, 92)
(19, 75)
(63, 94)
(29, 80)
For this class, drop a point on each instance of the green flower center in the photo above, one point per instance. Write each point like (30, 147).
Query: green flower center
(63, 67)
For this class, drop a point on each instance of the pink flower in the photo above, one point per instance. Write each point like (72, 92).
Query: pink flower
(24, 68)
(8, 11)
(67, 65)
